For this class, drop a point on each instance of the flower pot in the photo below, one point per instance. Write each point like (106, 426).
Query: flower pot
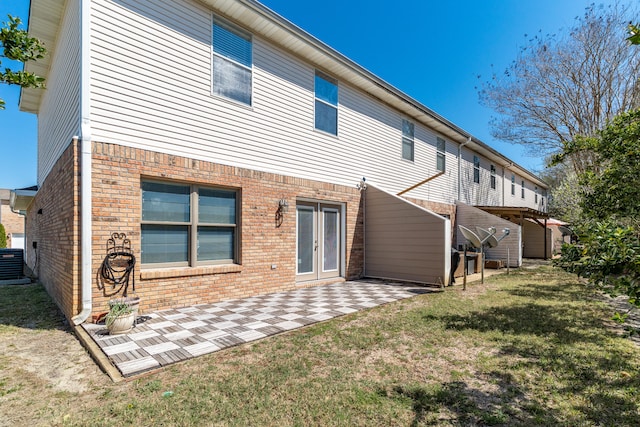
(121, 324)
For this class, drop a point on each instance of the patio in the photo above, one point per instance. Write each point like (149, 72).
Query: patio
(169, 336)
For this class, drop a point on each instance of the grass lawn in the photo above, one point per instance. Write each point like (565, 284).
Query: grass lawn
(529, 348)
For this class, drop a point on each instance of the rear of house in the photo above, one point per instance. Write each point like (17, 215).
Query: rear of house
(230, 146)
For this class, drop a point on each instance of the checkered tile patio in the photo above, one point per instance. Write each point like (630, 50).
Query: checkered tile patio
(170, 336)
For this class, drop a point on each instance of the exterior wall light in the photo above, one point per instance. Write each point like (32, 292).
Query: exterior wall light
(283, 206)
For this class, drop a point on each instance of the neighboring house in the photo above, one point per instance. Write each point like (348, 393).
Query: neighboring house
(230, 146)
(13, 222)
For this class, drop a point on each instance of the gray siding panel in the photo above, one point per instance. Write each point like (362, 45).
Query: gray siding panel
(404, 241)
(509, 248)
(534, 240)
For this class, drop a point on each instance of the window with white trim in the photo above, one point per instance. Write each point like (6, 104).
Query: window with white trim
(232, 62)
(493, 177)
(441, 148)
(536, 196)
(476, 169)
(407, 140)
(522, 190)
(326, 106)
(513, 185)
(188, 225)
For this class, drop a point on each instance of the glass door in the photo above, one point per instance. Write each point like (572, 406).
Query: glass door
(318, 244)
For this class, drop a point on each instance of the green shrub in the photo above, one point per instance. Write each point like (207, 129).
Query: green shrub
(608, 256)
(3, 237)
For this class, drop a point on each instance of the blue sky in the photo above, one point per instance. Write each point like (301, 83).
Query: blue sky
(433, 50)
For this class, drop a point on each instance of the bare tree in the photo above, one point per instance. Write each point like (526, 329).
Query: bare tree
(567, 85)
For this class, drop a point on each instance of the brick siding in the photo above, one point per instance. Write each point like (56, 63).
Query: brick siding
(117, 199)
(56, 260)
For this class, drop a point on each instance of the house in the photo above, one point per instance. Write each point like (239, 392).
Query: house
(13, 222)
(230, 147)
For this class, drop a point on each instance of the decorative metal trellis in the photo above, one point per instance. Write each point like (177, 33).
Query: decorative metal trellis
(118, 266)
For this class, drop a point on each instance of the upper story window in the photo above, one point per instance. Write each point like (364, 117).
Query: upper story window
(407, 140)
(441, 147)
(326, 89)
(476, 169)
(232, 62)
(513, 185)
(187, 225)
(522, 190)
(536, 196)
(493, 177)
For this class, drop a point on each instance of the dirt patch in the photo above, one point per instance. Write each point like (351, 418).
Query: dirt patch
(38, 367)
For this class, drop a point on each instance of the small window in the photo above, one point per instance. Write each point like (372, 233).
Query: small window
(407, 140)
(522, 190)
(232, 62)
(326, 105)
(476, 169)
(513, 185)
(536, 196)
(493, 177)
(441, 147)
(186, 225)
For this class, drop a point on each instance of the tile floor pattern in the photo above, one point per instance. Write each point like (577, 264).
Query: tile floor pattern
(170, 336)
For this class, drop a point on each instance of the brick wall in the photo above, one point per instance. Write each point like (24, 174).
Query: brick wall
(56, 260)
(117, 174)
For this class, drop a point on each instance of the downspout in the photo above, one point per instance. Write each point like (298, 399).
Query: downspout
(362, 187)
(85, 164)
(460, 167)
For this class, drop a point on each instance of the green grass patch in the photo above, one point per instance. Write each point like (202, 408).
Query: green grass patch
(529, 348)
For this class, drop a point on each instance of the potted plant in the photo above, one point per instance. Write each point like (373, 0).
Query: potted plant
(120, 318)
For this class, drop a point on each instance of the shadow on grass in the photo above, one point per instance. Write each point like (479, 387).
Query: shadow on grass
(556, 323)
(30, 307)
(562, 346)
(458, 403)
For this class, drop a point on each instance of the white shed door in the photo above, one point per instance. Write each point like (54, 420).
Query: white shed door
(17, 240)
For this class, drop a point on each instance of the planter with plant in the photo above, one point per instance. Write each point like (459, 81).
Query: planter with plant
(120, 318)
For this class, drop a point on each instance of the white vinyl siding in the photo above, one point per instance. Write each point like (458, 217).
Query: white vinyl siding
(59, 115)
(151, 88)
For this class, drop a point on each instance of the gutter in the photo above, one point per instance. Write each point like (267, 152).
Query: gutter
(85, 165)
(460, 167)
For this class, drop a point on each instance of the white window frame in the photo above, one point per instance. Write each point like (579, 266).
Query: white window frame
(441, 150)
(493, 177)
(409, 139)
(240, 33)
(476, 169)
(333, 81)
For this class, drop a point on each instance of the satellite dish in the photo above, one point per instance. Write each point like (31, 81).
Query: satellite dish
(471, 237)
(487, 237)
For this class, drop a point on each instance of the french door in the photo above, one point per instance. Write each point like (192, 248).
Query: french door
(318, 248)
